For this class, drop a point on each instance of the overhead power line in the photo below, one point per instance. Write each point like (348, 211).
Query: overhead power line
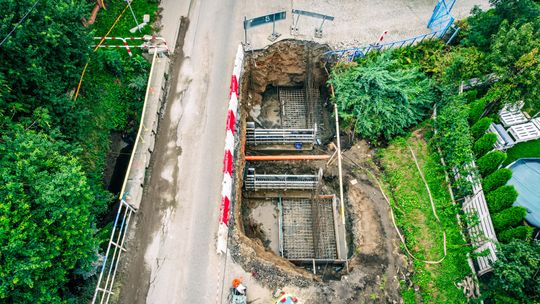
(19, 23)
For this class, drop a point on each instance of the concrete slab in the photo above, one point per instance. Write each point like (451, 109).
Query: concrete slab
(356, 23)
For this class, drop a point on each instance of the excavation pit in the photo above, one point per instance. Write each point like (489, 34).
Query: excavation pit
(286, 99)
(289, 214)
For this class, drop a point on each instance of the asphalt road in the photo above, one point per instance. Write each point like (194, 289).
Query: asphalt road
(172, 258)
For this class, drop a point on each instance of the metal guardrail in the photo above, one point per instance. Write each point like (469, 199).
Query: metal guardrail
(105, 283)
(115, 248)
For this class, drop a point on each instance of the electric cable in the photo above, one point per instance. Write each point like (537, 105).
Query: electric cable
(19, 23)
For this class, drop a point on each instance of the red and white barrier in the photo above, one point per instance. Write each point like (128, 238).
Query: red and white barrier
(228, 158)
(150, 42)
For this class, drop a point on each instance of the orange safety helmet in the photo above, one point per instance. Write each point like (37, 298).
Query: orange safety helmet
(236, 282)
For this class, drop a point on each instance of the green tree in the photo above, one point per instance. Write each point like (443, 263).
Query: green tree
(480, 127)
(380, 97)
(488, 163)
(484, 144)
(501, 198)
(515, 57)
(476, 109)
(515, 273)
(496, 179)
(482, 26)
(44, 57)
(520, 233)
(46, 219)
(508, 218)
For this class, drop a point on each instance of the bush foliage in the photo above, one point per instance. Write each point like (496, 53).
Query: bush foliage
(488, 163)
(517, 233)
(484, 144)
(515, 273)
(508, 218)
(46, 218)
(480, 127)
(454, 139)
(496, 179)
(476, 109)
(501, 198)
(379, 97)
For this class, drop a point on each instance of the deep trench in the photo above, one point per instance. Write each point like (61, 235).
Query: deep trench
(296, 70)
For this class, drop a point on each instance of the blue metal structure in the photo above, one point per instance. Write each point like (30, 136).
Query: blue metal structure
(439, 23)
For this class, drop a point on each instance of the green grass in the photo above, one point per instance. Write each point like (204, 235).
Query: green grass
(111, 101)
(526, 149)
(106, 17)
(423, 234)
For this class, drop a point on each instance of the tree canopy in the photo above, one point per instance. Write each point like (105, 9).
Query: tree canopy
(515, 273)
(46, 218)
(43, 59)
(380, 97)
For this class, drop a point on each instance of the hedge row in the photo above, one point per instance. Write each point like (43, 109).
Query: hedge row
(501, 198)
(480, 127)
(496, 179)
(488, 163)
(484, 144)
(521, 233)
(507, 218)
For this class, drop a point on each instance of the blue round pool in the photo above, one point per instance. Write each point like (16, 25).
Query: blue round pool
(526, 179)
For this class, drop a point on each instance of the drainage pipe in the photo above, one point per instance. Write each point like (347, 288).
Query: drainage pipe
(286, 157)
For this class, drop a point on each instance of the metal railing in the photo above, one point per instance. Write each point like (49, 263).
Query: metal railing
(353, 53)
(260, 136)
(439, 23)
(115, 248)
(280, 181)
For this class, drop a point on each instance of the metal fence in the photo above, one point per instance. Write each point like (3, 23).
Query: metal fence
(115, 248)
(439, 23)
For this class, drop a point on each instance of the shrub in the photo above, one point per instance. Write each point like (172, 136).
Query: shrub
(488, 163)
(496, 179)
(520, 233)
(480, 127)
(484, 144)
(476, 109)
(501, 198)
(455, 142)
(381, 98)
(508, 218)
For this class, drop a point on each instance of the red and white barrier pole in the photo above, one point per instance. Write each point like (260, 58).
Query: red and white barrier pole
(228, 157)
(381, 38)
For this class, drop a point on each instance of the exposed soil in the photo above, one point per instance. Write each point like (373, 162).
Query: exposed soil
(375, 262)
